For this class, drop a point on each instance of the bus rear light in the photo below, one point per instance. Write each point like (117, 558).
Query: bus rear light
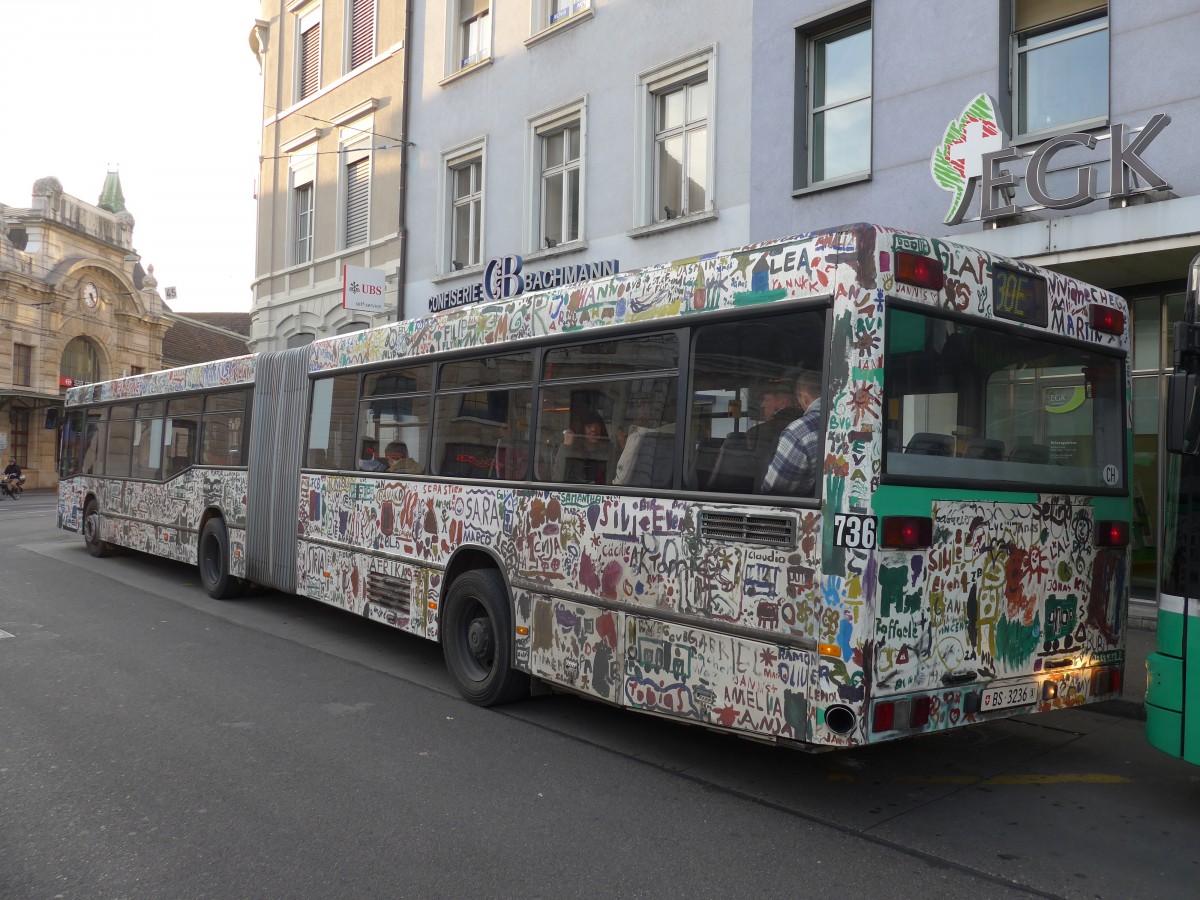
(1049, 690)
(1106, 320)
(920, 271)
(922, 706)
(884, 717)
(1113, 533)
(906, 532)
(1106, 681)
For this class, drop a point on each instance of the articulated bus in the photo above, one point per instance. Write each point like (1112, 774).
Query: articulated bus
(1173, 670)
(581, 488)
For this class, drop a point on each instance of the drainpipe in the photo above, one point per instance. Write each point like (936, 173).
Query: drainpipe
(402, 220)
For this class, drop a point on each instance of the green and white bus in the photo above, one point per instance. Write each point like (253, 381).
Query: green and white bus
(1173, 670)
(578, 487)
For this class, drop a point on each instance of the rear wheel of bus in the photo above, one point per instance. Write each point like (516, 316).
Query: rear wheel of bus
(476, 635)
(213, 562)
(91, 530)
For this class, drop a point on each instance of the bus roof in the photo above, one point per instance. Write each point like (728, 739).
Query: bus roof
(850, 261)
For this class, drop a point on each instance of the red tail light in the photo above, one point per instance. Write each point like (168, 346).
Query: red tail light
(906, 532)
(1105, 319)
(921, 271)
(885, 716)
(920, 712)
(1112, 534)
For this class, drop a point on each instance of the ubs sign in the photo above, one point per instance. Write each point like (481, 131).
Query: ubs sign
(973, 150)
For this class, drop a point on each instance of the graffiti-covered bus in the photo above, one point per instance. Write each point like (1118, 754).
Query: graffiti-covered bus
(831, 490)
(1173, 669)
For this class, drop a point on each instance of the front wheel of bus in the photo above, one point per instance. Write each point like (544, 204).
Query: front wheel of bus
(214, 562)
(91, 530)
(476, 635)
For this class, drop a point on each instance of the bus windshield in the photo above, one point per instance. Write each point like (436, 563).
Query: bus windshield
(977, 404)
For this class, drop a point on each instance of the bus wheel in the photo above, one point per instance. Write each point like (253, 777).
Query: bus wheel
(476, 635)
(91, 530)
(214, 562)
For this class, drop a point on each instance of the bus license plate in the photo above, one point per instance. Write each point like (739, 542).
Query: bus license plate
(1010, 695)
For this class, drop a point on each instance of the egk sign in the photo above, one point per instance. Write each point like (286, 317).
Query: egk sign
(973, 150)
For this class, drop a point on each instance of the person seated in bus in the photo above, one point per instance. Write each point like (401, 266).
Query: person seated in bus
(370, 461)
(583, 457)
(399, 462)
(794, 467)
(777, 400)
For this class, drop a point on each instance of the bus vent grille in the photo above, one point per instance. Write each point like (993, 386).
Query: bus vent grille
(390, 592)
(776, 531)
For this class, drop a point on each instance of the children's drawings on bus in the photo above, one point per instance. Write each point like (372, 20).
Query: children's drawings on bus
(162, 517)
(1010, 586)
(220, 373)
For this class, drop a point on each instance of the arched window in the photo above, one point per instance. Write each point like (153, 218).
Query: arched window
(81, 361)
(301, 339)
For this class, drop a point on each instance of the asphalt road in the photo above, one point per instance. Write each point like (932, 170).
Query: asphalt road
(156, 743)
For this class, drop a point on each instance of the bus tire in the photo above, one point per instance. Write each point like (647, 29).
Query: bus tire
(91, 530)
(213, 562)
(476, 635)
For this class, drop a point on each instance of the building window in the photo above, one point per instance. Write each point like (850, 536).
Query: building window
(547, 13)
(464, 193)
(838, 120)
(677, 115)
(308, 53)
(22, 373)
(472, 37)
(356, 192)
(361, 33)
(136, 370)
(1060, 64)
(300, 339)
(557, 139)
(19, 417)
(302, 221)
(81, 362)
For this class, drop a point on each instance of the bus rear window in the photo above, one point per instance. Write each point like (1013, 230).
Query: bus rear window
(967, 403)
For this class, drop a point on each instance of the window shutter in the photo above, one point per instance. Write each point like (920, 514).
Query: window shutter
(310, 58)
(362, 32)
(357, 211)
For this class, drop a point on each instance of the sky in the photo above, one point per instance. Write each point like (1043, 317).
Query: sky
(169, 95)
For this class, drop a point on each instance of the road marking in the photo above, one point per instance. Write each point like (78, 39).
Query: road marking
(1068, 778)
(4, 634)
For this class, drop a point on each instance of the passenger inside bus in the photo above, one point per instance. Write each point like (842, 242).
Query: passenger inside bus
(794, 468)
(778, 404)
(369, 460)
(399, 462)
(583, 457)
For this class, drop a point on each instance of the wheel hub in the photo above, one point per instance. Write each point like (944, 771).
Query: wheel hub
(479, 639)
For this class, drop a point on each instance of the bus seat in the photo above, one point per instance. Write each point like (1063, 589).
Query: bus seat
(929, 443)
(654, 461)
(1030, 453)
(707, 451)
(983, 448)
(735, 468)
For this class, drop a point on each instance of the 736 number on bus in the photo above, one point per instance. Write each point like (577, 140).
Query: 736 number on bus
(854, 530)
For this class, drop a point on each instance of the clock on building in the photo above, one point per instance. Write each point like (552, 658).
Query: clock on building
(91, 296)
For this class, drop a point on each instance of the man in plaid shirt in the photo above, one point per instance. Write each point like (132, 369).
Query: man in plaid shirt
(793, 469)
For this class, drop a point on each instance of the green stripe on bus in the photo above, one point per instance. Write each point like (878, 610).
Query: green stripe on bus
(1170, 633)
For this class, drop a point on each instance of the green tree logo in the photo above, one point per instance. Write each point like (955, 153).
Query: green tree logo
(959, 159)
